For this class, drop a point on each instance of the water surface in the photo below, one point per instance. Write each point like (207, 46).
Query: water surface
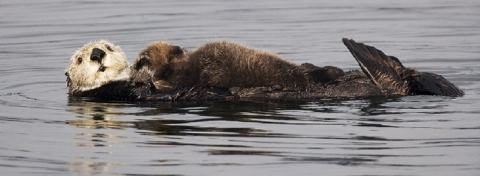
(43, 132)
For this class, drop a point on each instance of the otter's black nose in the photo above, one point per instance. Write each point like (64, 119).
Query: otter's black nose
(97, 55)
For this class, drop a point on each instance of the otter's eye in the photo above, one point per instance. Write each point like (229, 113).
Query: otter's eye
(80, 60)
(109, 48)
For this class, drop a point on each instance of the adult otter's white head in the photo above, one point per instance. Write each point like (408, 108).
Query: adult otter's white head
(96, 64)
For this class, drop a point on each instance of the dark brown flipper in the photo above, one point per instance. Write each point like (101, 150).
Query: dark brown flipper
(384, 71)
(424, 83)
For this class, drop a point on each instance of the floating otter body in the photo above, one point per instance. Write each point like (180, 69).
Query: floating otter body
(223, 70)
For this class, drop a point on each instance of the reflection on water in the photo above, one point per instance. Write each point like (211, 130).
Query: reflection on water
(204, 121)
(96, 115)
(91, 168)
(288, 132)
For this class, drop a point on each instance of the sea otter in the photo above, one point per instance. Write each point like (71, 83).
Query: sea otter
(225, 65)
(224, 70)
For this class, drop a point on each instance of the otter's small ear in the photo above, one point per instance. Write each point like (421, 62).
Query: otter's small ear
(177, 50)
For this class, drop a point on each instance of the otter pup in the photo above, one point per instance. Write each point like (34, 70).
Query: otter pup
(226, 65)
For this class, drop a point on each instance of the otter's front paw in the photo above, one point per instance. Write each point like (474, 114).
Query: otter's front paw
(163, 86)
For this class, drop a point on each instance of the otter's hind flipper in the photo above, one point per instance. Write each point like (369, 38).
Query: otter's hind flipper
(384, 71)
(424, 83)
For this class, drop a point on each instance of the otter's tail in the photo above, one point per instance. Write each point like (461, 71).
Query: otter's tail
(392, 78)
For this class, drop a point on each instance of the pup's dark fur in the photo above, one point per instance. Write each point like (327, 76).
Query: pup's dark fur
(226, 65)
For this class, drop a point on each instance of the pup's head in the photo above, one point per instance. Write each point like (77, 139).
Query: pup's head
(159, 54)
(154, 64)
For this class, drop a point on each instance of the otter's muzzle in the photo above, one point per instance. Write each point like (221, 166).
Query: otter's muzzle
(97, 55)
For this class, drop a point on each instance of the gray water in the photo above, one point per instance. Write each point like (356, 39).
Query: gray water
(42, 132)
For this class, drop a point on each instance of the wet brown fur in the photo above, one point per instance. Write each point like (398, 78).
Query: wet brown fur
(225, 65)
(323, 74)
(154, 65)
